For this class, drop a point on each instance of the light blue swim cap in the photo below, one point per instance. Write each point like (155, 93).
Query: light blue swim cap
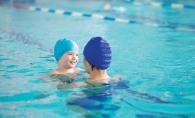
(63, 46)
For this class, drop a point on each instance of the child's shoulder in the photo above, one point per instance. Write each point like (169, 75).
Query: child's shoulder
(58, 71)
(77, 70)
(53, 72)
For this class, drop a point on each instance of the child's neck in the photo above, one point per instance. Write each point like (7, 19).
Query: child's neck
(97, 74)
(65, 70)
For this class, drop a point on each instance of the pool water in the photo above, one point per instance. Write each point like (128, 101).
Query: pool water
(154, 54)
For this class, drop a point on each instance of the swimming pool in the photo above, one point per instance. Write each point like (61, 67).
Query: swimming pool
(153, 45)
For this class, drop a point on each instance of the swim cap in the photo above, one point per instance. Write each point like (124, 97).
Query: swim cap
(63, 46)
(98, 53)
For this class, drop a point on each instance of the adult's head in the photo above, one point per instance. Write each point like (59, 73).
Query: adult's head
(97, 53)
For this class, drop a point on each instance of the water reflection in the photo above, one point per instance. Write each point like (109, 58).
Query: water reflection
(96, 100)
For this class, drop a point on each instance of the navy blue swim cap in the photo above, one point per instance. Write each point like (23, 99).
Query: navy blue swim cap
(63, 46)
(98, 53)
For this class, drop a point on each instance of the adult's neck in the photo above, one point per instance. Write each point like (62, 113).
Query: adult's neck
(97, 74)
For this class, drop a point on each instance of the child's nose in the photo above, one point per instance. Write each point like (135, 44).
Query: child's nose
(74, 57)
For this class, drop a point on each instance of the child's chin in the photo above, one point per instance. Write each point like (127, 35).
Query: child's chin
(72, 66)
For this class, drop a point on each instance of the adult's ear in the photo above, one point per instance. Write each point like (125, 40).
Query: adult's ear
(87, 63)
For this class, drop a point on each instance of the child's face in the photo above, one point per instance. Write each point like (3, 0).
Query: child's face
(69, 59)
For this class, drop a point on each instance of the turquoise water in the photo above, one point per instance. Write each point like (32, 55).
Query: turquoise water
(156, 61)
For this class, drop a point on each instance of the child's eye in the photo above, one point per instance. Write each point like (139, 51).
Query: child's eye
(70, 54)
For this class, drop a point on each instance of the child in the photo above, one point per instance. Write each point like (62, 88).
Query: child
(66, 54)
